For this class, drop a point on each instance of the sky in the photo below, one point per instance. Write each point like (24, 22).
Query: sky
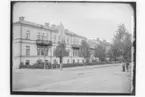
(92, 20)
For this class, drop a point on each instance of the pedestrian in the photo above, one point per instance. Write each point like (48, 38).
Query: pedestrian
(123, 66)
(127, 65)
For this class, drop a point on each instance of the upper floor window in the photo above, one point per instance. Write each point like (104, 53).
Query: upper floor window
(46, 36)
(73, 61)
(54, 38)
(68, 40)
(68, 52)
(38, 51)
(74, 41)
(27, 50)
(59, 38)
(28, 34)
(38, 36)
(75, 52)
(43, 36)
(68, 61)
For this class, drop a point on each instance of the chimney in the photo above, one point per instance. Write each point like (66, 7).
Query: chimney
(21, 18)
(47, 24)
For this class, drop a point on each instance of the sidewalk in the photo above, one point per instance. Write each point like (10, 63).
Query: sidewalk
(90, 67)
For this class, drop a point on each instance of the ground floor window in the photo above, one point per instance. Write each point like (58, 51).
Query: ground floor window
(27, 50)
(83, 61)
(68, 61)
(75, 52)
(27, 62)
(78, 60)
(42, 50)
(54, 61)
(73, 61)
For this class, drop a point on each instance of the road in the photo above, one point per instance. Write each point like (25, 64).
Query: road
(98, 79)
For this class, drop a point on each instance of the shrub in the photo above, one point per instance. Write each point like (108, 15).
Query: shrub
(21, 65)
(39, 61)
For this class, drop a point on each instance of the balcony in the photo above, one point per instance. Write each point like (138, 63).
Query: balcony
(76, 46)
(44, 42)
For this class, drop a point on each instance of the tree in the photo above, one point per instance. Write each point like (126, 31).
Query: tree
(85, 50)
(122, 43)
(60, 51)
(100, 50)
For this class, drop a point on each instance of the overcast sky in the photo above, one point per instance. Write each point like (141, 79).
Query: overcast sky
(92, 20)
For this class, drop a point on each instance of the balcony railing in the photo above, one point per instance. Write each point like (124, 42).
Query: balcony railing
(76, 46)
(44, 42)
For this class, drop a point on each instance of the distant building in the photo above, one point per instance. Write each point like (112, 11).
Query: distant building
(32, 42)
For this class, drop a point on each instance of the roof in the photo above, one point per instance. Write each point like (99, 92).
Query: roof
(52, 27)
(36, 25)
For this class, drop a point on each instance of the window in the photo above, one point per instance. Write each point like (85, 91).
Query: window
(27, 62)
(28, 34)
(45, 51)
(59, 38)
(46, 62)
(43, 36)
(38, 50)
(46, 37)
(68, 61)
(67, 40)
(54, 38)
(83, 61)
(55, 61)
(27, 50)
(75, 52)
(42, 51)
(38, 36)
(68, 52)
(73, 61)
(78, 60)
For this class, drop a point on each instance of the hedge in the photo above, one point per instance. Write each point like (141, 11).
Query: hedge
(54, 66)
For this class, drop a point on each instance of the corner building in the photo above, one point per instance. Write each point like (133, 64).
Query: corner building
(32, 42)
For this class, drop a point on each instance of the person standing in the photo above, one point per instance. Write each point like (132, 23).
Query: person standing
(127, 65)
(123, 66)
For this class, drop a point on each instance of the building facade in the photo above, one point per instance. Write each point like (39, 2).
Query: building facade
(32, 42)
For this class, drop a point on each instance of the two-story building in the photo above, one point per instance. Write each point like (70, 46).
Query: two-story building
(32, 42)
